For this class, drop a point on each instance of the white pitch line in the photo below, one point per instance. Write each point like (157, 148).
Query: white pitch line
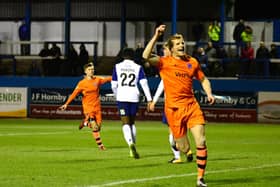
(32, 134)
(183, 175)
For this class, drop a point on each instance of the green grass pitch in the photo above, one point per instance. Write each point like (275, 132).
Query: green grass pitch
(44, 152)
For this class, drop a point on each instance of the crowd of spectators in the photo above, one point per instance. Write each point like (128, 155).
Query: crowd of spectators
(54, 65)
(249, 61)
(212, 55)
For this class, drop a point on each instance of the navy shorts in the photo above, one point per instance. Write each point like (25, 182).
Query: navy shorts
(127, 108)
(164, 120)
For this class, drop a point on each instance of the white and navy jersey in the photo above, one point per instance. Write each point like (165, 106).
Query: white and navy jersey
(125, 78)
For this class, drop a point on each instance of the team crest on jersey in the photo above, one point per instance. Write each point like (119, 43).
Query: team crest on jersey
(189, 65)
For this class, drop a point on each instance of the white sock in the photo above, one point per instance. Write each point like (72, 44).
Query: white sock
(176, 153)
(133, 128)
(127, 134)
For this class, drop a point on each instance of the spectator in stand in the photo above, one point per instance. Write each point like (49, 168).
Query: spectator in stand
(246, 59)
(55, 50)
(238, 29)
(195, 50)
(217, 66)
(247, 35)
(24, 35)
(56, 61)
(214, 31)
(221, 52)
(198, 31)
(74, 61)
(83, 55)
(262, 59)
(138, 54)
(45, 52)
(273, 53)
(119, 55)
(202, 58)
(70, 66)
(210, 50)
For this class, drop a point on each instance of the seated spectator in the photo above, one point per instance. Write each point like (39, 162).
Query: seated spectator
(56, 61)
(202, 58)
(83, 55)
(246, 59)
(274, 67)
(218, 65)
(210, 50)
(55, 50)
(45, 52)
(68, 67)
(273, 53)
(221, 52)
(262, 59)
(73, 60)
(119, 55)
(138, 54)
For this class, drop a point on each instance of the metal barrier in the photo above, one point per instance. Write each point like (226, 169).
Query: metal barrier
(13, 47)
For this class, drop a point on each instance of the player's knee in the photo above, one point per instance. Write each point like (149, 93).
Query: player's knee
(95, 127)
(183, 147)
(201, 141)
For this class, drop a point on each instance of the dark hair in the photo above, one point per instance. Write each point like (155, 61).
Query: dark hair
(128, 53)
(88, 65)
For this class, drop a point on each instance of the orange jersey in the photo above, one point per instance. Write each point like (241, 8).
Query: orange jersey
(90, 90)
(177, 76)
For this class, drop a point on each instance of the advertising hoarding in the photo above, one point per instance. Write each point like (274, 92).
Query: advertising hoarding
(13, 102)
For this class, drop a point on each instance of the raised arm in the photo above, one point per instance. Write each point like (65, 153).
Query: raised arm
(153, 59)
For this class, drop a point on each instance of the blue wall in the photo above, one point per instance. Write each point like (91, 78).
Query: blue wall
(70, 82)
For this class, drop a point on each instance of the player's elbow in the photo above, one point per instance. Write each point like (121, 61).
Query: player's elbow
(145, 56)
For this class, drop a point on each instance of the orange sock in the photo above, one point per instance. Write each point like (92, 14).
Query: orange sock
(96, 136)
(201, 160)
